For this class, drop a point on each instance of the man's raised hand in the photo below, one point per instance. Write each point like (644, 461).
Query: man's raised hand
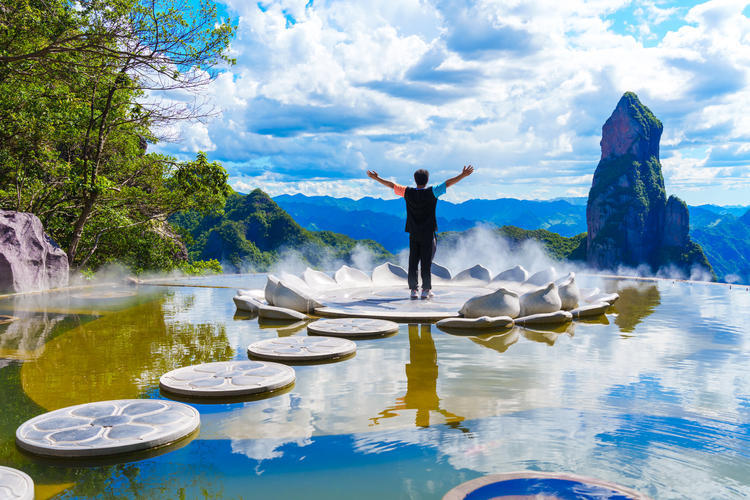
(372, 174)
(467, 171)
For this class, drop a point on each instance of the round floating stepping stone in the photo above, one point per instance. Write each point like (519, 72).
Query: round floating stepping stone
(15, 485)
(107, 428)
(227, 378)
(539, 485)
(301, 348)
(352, 327)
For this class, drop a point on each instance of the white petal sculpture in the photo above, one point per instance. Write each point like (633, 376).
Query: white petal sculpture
(517, 274)
(545, 318)
(609, 298)
(271, 283)
(543, 300)
(569, 293)
(440, 271)
(477, 272)
(318, 280)
(256, 293)
(542, 277)
(499, 303)
(280, 313)
(588, 310)
(389, 274)
(349, 277)
(246, 303)
(481, 323)
(288, 297)
(296, 282)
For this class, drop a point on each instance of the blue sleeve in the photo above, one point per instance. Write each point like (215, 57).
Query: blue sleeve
(439, 190)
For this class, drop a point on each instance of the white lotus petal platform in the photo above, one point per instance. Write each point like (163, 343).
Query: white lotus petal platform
(352, 293)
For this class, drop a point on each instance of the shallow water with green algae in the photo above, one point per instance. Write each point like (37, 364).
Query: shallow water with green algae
(654, 396)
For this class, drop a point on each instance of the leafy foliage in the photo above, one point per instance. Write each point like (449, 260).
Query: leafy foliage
(81, 92)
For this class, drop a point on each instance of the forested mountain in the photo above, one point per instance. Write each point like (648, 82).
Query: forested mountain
(726, 243)
(253, 232)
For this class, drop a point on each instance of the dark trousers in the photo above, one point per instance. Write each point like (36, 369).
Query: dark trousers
(421, 252)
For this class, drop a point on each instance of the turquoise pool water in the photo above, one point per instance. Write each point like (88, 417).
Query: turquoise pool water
(655, 396)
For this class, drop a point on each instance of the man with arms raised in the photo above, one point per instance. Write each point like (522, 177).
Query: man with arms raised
(421, 222)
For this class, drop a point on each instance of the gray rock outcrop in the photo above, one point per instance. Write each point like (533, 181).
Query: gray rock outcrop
(29, 259)
(630, 222)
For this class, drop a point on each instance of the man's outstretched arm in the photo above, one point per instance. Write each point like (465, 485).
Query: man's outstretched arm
(467, 171)
(374, 175)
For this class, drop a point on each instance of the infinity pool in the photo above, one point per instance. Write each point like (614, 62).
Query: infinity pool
(655, 396)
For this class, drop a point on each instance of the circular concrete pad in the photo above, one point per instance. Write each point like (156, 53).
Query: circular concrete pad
(301, 348)
(107, 428)
(539, 485)
(352, 327)
(227, 378)
(15, 485)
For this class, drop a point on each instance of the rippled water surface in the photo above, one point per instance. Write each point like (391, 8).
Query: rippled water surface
(654, 396)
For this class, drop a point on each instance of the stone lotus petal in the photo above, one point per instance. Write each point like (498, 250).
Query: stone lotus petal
(256, 293)
(569, 293)
(589, 310)
(349, 277)
(517, 274)
(477, 272)
(545, 318)
(280, 313)
(481, 323)
(440, 271)
(499, 303)
(318, 280)
(288, 297)
(246, 303)
(271, 283)
(296, 282)
(389, 274)
(542, 277)
(542, 300)
(609, 298)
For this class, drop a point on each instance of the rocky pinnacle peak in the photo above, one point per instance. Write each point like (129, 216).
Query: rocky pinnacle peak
(631, 129)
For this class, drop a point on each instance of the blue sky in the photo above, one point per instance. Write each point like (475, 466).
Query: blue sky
(324, 90)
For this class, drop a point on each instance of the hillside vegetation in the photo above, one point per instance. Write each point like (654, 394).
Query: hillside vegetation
(254, 232)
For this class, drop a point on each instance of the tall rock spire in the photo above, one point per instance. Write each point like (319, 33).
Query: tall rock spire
(629, 220)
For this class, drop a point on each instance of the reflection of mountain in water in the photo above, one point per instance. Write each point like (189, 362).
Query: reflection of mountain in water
(636, 303)
(421, 386)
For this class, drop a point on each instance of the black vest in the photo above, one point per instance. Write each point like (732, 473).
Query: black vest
(420, 212)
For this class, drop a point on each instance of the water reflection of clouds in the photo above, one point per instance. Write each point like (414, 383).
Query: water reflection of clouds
(666, 403)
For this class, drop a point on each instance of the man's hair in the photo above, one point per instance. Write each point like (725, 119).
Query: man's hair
(421, 177)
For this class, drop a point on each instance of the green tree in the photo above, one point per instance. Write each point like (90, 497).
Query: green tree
(83, 88)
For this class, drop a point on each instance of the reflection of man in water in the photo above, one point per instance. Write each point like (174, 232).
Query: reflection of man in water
(421, 382)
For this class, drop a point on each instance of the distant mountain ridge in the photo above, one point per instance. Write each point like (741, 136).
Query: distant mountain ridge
(383, 220)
